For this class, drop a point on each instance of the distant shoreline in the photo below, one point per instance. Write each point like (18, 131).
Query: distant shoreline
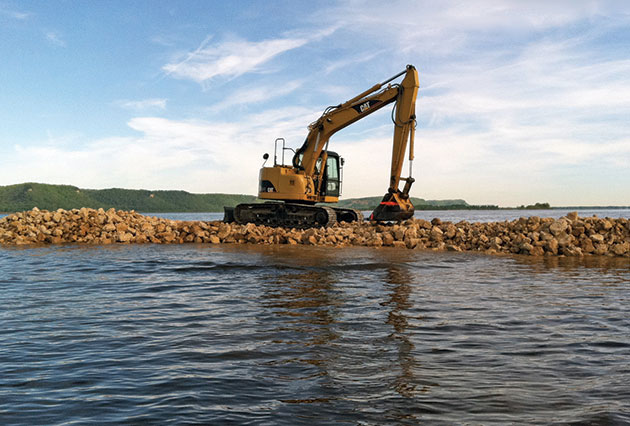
(576, 208)
(25, 196)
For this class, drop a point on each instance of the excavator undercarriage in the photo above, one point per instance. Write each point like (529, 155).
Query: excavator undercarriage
(290, 215)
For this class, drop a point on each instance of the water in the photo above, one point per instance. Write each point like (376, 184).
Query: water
(268, 335)
(447, 215)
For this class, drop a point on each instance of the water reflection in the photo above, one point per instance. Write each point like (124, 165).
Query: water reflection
(398, 281)
(332, 339)
(304, 301)
(604, 263)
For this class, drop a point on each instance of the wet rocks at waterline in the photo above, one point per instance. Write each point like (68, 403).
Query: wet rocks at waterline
(568, 236)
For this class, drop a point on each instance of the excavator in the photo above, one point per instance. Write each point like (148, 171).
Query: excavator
(314, 175)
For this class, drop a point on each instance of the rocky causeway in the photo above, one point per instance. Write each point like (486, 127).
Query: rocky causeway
(535, 236)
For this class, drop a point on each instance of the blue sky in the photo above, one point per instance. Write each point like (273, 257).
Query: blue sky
(520, 101)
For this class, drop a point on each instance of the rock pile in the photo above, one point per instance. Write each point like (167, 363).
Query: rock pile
(569, 236)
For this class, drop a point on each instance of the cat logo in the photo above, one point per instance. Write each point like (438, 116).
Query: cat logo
(366, 106)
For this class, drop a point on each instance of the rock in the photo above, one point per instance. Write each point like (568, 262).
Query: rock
(605, 225)
(441, 246)
(537, 251)
(124, 237)
(412, 243)
(308, 237)
(388, 239)
(587, 245)
(526, 247)
(569, 236)
(110, 227)
(451, 230)
(572, 216)
(425, 224)
(375, 242)
(558, 227)
(551, 246)
(410, 233)
(436, 234)
(601, 249)
(224, 230)
(597, 238)
(621, 248)
(564, 240)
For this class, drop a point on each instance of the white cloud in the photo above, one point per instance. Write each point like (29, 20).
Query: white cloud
(14, 14)
(194, 155)
(255, 94)
(449, 27)
(142, 105)
(54, 38)
(352, 61)
(229, 59)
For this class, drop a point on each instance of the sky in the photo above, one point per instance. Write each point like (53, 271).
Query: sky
(519, 101)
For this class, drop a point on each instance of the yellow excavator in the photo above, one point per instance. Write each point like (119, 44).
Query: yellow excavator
(315, 173)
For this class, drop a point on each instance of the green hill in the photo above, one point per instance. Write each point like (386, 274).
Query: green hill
(25, 196)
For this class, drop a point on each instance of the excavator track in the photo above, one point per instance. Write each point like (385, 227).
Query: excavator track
(348, 215)
(287, 215)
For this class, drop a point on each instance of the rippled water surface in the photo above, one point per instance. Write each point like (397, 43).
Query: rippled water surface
(445, 215)
(307, 335)
(449, 215)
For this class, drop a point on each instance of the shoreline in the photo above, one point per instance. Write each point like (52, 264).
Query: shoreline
(437, 209)
(567, 236)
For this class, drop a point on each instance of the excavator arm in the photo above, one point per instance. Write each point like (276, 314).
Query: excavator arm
(395, 204)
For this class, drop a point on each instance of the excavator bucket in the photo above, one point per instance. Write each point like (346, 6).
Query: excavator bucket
(394, 207)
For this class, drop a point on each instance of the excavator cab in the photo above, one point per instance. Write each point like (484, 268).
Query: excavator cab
(331, 185)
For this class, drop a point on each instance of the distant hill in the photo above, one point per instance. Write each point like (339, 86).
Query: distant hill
(25, 196)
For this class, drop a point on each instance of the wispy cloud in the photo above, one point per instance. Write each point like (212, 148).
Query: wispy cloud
(234, 57)
(54, 38)
(252, 95)
(446, 27)
(142, 105)
(352, 60)
(229, 59)
(13, 14)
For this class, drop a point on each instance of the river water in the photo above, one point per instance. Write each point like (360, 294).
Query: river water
(268, 335)
(449, 215)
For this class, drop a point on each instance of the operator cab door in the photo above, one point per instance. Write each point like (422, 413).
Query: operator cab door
(332, 176)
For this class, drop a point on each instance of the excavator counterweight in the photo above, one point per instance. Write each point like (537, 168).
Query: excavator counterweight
(315, 173)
